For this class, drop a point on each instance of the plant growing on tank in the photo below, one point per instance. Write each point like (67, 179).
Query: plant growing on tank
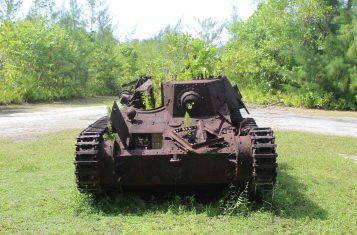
(109, 135)
(187, 122)
(146, 101)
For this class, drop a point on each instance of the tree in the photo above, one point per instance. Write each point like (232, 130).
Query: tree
(296, 50)
(41, 8)
(74, 14)
(9, 9)
(210, 31)
(92, 4)
(105, 28)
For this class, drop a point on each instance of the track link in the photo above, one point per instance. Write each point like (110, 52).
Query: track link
(87, 156)
(264, 159)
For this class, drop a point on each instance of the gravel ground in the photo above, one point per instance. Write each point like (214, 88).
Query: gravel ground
(304, 121)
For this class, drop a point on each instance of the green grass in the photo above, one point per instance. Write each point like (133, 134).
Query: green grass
(316, 193)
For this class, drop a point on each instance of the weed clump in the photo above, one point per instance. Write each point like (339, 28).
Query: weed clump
(235, 201)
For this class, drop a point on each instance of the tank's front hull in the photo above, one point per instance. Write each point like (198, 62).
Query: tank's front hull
(102, 166)
(209, 169)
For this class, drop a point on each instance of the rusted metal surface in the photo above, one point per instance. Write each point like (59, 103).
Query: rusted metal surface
(197, 137)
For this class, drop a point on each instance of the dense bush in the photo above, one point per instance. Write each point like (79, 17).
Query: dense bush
(302, 53)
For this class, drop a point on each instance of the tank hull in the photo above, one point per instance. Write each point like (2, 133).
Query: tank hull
(177, 145)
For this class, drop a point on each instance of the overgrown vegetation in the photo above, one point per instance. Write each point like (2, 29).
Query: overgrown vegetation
(296, 52)
(235, 201)
(109, 134)
(315, 193)
(300, 52)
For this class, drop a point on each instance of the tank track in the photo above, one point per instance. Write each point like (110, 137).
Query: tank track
(87, 153)
(264, 157)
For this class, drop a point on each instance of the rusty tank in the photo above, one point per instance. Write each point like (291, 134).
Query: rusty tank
(197, 137)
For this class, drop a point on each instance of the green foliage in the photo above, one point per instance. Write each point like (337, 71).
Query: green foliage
(190, 58)
(40, 63)
(187, 120)
(187, 124)
(174, 56)
(46, 59)
(235, 201)
(146, 100)
(109, 135)
(298, 51)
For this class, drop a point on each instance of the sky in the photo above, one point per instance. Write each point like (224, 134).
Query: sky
(144, 18)
(148, 17)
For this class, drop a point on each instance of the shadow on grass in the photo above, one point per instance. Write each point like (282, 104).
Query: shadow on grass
(289, 201)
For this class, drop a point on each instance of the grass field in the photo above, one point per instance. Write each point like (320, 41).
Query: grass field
(316, 194)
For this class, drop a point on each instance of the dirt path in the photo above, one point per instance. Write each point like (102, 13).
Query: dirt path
(33, 120)
(304, 121)
(27, 121)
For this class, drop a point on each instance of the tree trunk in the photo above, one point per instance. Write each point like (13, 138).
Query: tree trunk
(349, 4)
